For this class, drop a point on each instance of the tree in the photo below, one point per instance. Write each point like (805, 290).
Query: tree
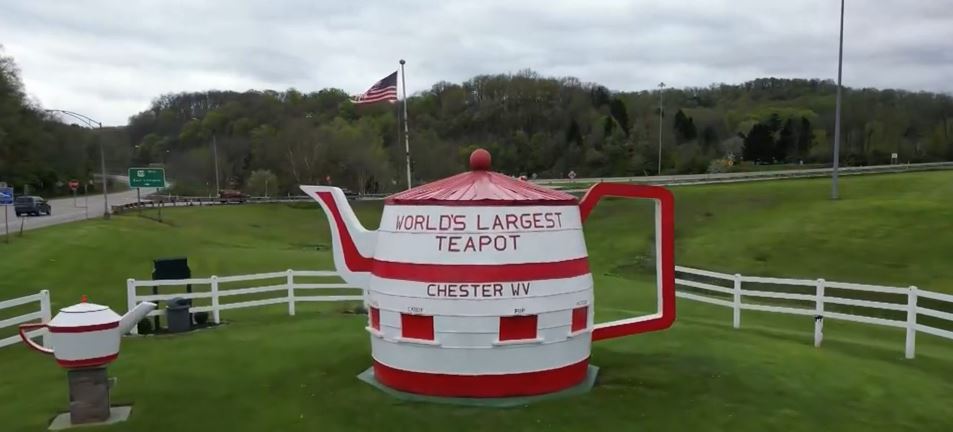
(261, 183)
(787, 144)
(620, 114)
(805, 137)
(684, 128)
(732, 148)
(759, 144)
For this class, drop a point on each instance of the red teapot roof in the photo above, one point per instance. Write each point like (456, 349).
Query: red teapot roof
(479, 186)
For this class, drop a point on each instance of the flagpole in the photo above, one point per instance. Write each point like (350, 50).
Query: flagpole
(403, 84)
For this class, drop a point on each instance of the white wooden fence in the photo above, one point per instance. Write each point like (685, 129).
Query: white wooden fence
(729, 293)
(283, 282)
(909, 302)
(42, 297)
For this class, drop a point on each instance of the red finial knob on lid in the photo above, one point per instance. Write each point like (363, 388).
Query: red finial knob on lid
(480, 160)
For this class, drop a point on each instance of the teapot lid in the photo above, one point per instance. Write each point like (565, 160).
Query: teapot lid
(82, 315)
(480, 186)
(84, 307)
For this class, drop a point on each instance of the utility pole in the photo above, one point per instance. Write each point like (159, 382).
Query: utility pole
(102, 153)
(661, 86)
(840, 61)
(218, 187)
(403, 86)
(102, 163)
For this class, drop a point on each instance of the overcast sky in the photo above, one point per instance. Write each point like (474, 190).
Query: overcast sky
(109, 59)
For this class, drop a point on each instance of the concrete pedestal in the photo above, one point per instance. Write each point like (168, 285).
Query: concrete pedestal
(88, 395)
(116, 414)
(89, 401)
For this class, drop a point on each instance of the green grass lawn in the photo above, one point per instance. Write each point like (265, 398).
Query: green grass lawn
(264, 370)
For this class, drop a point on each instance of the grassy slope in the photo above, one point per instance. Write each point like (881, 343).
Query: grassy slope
(268, 371)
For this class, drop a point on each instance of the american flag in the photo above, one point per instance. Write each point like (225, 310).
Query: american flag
(383, 90)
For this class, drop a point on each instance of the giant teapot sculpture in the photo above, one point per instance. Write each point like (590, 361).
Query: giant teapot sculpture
(478, 285)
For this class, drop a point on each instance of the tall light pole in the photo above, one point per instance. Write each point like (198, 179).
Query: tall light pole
(840, 62)
(218, 188)
(102, 153)
(661, 86)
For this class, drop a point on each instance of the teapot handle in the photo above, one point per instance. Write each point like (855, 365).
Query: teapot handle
(664, 252)
(29, 343)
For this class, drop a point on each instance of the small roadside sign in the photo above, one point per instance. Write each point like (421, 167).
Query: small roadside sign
(146, 177)
(6, 196)
(74, 184)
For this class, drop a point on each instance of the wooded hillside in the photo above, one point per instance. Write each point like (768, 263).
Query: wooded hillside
(531, 124)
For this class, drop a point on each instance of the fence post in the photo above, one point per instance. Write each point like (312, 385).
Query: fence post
(911, 322)
(45, 313)
(131, 301)
(736, 303)
(215, 313)
(819, 314)
(291, 292)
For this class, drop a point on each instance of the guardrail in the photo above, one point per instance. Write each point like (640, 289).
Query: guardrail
(192, 201)
(732, 296)
(287, 285)
(687, 179)
(753, 175)
(44, 315)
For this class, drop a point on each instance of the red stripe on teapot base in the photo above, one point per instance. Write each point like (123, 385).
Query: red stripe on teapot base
(480, 272)
(90, 362)
(487, 386)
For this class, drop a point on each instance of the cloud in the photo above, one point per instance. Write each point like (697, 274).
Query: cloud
(110, 59)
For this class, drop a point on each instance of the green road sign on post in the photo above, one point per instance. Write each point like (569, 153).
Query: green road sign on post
(146, 177)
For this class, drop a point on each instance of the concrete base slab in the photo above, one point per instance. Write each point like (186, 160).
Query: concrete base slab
(116, 414)
(581, 388)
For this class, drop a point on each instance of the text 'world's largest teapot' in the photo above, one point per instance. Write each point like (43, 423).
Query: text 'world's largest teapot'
(478, 285)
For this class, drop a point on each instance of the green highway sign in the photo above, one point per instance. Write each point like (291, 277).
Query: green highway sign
(146, 177)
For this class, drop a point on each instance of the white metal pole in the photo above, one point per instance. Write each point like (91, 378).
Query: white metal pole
(840, 60)
(403, 85)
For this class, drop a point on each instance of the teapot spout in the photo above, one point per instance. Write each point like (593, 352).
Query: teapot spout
(133, 317)
(353, 244)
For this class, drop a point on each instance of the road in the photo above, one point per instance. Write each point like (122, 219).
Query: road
(64, 209)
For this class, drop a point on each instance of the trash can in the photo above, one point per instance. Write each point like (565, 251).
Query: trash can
(177, 315)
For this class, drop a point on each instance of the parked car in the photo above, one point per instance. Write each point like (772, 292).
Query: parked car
(231, 196)
(349, 194)
(31, 205)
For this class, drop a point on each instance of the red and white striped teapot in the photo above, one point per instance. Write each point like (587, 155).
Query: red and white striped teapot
(478, 285)
(86, 334)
